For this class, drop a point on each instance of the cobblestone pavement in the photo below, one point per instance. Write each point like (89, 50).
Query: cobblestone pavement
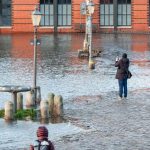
(110, 124)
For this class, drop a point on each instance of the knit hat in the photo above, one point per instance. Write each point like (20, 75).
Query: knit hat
(42, 132)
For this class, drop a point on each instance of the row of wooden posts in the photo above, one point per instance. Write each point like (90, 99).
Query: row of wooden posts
(52, 106)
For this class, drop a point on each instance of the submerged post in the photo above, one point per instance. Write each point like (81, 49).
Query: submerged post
(19, 101)
(58, 106)
(14, 99)
(9, 110)
(44, 109)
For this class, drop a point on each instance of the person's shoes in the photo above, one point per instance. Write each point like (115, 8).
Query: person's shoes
(119, 98)
(125, 98)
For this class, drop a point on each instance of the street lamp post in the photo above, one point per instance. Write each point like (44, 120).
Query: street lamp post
(87, 9)
(90, 10)
(36, 18)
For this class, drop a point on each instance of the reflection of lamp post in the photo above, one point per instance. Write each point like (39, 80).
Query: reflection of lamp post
(36, 18)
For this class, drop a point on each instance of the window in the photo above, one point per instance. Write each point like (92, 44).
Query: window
(64, 12)
(5, 12)
(106, 12)
(115, 12)
(124, 12)
(46, 8)
(149, 12)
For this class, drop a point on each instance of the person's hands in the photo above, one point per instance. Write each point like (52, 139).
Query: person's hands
(117, 58)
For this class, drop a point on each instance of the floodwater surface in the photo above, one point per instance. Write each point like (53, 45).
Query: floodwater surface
(61, 72)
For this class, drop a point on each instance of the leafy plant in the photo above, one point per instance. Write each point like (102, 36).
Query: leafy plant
(23, 114)
(2, 113)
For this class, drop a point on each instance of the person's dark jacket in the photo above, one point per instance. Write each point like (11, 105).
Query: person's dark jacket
(51, 146)
(123, 65)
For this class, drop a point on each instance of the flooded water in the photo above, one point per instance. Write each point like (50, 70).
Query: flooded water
(60, 71)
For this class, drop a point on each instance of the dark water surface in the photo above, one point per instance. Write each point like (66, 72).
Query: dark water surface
(60, 71)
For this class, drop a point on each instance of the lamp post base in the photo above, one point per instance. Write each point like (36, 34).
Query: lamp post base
(85, 53)
(91, 64)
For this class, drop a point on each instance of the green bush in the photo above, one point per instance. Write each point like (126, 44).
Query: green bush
(2, 113)
(21, 114)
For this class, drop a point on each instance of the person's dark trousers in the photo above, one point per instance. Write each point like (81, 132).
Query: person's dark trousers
(122, 87)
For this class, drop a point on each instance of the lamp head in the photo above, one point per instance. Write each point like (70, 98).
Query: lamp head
(90, 7)
(36, 17)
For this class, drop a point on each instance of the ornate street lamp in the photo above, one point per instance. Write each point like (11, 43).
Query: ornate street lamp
(90, 7)
(87, 9)
(36, 18)
(90, 10)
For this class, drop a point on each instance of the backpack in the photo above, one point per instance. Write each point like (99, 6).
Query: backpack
(41, 145)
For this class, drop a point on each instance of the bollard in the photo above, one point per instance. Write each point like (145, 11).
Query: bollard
(51, 102)
(38, 98)
(30, 99)
(58, 105)
(44, 109)
(91, 64)
(19, 101)
(9, 113)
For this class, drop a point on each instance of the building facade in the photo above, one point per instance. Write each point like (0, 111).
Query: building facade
(64, 16)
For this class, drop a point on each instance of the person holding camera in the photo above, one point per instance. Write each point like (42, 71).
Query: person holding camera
(122, 74)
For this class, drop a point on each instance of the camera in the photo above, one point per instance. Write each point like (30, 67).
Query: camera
(117, 58)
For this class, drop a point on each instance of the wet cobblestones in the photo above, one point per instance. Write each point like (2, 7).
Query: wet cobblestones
(110, 124)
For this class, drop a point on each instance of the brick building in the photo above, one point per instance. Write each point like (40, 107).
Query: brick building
(64, 16)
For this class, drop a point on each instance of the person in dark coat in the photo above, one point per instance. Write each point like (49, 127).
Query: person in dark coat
(42, 141)
(121, 75)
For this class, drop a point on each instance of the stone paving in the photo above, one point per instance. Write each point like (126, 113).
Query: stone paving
(110, 124)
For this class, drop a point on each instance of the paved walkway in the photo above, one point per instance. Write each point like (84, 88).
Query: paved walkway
(109, 124)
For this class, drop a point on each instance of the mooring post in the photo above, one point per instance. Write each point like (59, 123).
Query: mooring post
(14, 100)
(19, 101)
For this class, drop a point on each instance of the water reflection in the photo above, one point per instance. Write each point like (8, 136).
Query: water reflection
(53, 120)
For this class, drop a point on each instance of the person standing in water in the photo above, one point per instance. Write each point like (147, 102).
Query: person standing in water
(122, 75)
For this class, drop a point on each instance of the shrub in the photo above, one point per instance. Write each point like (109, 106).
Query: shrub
(21, 114)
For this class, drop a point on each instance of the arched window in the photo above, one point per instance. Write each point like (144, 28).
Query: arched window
(115, 12)
(5, 12)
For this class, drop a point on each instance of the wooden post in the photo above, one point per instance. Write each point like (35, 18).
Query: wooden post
(14, 99)
(58, 105)
(51, 102)
(9, 110)
(19, 101)
(44, 109)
